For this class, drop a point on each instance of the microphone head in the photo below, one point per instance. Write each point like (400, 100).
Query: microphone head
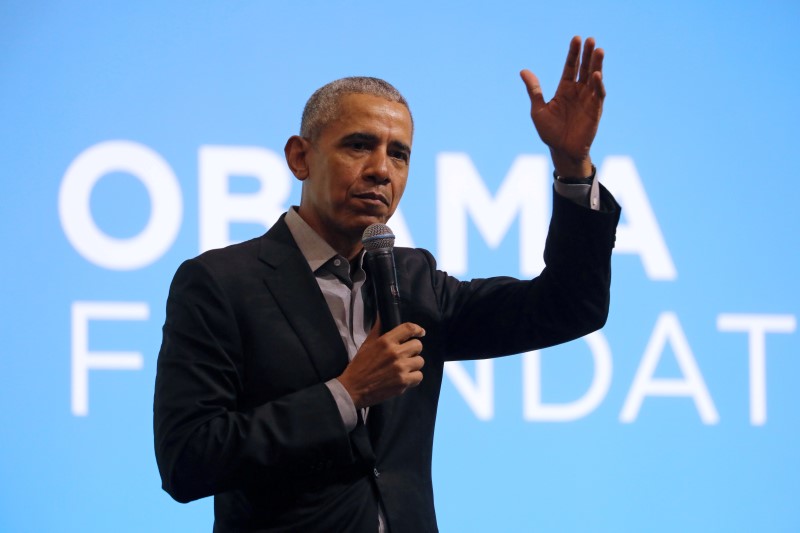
(378, 237)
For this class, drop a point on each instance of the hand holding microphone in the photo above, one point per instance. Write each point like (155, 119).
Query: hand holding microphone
(389, 361)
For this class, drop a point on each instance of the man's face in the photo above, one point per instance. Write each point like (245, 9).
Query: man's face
(357, 168)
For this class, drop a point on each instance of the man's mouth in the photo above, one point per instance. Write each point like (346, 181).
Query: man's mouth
(374, 196)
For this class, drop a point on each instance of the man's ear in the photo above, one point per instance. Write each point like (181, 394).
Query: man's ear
(296, 151)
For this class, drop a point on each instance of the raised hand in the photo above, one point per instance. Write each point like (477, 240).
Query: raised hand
(567, 124)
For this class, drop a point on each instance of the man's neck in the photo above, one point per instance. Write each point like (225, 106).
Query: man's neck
(348, 246)
(345, 247)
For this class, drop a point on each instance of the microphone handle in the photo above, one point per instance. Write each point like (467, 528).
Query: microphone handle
(384, 283)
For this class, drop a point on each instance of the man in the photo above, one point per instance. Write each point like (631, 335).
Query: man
(276, 391)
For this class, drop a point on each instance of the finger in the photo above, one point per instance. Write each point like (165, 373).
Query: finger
(596, 63)
(414, 379)
(410, 348)
(586, 60)
(533, 88)
(571, 64)
(597, 85)
(406, 331)
(415, 367)
(375, 332)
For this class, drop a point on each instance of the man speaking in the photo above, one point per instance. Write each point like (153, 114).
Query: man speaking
(278, 390)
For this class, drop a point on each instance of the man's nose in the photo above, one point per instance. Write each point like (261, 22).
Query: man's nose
(378, 169)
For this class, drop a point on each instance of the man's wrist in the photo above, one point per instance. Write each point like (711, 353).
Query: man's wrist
(573, 180)
(569, 167)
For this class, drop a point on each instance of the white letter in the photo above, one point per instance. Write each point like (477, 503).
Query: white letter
(532, 406)
(669, 329)
(460, 190)
(478, 395)
(219, 207)
(640, 234)
(76, 215)
(83, 360)
(757, 327)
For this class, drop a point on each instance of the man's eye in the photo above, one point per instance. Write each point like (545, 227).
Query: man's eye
(358, 146)
(402, 156)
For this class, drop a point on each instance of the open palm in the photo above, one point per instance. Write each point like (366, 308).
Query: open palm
(568, 123)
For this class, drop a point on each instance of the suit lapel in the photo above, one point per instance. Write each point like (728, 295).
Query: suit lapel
(296, 292)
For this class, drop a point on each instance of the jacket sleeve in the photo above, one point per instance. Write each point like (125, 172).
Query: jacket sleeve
(570, 298)
(207, 438)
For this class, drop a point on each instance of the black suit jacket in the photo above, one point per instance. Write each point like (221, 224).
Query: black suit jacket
(241, 411)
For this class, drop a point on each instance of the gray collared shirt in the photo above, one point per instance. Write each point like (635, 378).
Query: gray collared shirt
(345, 302)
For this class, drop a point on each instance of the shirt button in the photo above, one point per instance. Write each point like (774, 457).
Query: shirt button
(375, 471)
(337, 262)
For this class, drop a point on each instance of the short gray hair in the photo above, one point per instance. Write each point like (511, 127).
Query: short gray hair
(323, 105)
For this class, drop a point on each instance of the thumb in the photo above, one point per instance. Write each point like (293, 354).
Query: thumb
(376, 330)
(534, 89)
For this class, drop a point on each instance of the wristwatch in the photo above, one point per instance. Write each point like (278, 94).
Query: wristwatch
(576, 181)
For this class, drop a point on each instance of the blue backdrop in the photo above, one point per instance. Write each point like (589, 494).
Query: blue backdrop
(135, 134)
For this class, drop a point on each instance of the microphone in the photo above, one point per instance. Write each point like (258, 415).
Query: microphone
(378, 241)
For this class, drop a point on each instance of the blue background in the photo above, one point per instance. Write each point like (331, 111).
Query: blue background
(701, 95)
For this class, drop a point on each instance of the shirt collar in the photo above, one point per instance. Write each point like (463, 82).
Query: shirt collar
(316, 251)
